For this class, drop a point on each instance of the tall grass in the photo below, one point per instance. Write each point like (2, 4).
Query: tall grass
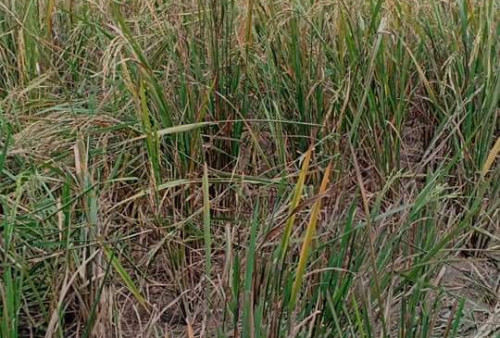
(251, 168)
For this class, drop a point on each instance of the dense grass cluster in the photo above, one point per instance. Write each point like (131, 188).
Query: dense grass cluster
(253, 168)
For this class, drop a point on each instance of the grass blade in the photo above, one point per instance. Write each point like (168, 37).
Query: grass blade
(306, 244)
(125, 277)
(294, 203)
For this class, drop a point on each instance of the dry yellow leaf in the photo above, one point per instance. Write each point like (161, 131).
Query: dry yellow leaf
(491, 157)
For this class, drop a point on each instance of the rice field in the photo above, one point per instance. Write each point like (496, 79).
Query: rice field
(249, 168)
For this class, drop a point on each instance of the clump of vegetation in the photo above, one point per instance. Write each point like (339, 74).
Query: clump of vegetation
(254, 168)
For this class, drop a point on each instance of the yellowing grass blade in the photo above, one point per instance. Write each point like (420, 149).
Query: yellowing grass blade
(306, 245)
(491, 157)
(50, 11)
(295, 202)
(206, 221)
(172, 130)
